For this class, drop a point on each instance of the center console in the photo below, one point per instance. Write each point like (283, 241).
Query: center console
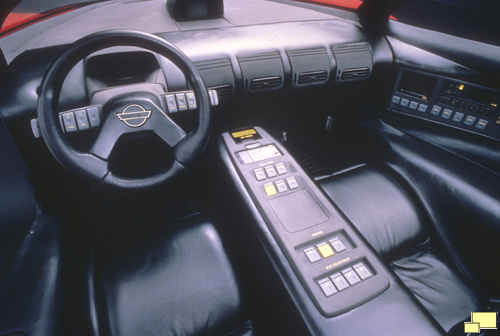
(335, 267)
(327, 267)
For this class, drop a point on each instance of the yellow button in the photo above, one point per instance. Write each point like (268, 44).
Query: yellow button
(325, 250)
(270, 190)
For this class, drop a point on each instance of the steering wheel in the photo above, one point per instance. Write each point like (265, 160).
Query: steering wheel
(126, 109)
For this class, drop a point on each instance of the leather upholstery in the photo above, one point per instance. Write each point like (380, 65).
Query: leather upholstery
(390, 220)
(174, 281)
(379, 207)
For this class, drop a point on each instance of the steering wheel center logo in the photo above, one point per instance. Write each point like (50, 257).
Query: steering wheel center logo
(134, 115)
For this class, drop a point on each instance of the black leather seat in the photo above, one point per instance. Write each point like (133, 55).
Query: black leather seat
(391, 221)
(176, 280)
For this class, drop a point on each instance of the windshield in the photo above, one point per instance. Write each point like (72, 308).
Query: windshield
(28, 12)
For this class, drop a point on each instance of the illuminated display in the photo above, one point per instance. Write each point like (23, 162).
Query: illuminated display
(249, 133)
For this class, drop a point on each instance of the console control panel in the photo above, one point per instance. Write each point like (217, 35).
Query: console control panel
(459, 104)
(332, 262)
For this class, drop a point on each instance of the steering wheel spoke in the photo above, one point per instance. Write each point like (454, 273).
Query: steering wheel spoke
(167, 129)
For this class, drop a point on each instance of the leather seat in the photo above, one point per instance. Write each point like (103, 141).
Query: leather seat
(176, 280)
(393, 224)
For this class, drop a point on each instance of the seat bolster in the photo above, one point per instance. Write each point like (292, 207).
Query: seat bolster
(380, 209)
(439, 288)
(170, 282)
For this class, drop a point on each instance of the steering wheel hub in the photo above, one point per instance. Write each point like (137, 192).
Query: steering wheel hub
(134, 115)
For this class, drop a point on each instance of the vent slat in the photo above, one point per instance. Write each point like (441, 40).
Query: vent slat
(349, 74)
(265, 83)
(312, 77)
(225, 90)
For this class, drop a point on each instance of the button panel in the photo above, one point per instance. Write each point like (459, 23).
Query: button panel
(344, 279)
(326, 248)
(73, 121)
(447, 101)
(186, 100)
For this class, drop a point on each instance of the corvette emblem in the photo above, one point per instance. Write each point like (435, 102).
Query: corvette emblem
(134, 115)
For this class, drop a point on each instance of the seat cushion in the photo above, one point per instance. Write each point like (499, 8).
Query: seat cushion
(390, 220)
(380, 209)
(175, 281)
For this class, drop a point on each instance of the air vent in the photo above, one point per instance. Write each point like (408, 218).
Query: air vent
(223, 90)
(312, 77)
(357, 73)
(265, 83)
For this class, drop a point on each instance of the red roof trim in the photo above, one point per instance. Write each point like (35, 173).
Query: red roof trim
(17, 21)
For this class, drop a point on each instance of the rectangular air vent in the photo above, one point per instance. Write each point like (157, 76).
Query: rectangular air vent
(262, 72)
(223, 90)
(312, 77)
(356, 73)
(354, 61)
(265, 83)
(218, 75)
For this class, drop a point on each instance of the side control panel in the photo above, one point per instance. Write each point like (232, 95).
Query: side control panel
(332, 262)
(74, 120)
(455, 103)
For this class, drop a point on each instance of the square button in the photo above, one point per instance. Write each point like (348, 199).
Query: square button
(362, 271)
(312, 254)
(171, 103)
(481, 124)
(422, 108)
(82, 120)
(270, 190)
(337, 244)
(447, 114)
(181, 101)
(469, 121)
(191, 100)
(327, 287)
(395, 99)
(435, 110)
(270, 171)
(339, 281)
(404, 102)
(280, 167)
(281, 185)
(351, 276)
(458, 116)
(93, 114)
(325, 250)
(259, 174)
(413, 105)
(69, 122)
(292, 182)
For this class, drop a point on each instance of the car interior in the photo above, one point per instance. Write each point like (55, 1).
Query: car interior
(241, 168)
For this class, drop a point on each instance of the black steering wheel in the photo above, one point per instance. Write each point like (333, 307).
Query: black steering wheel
(125, 110)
